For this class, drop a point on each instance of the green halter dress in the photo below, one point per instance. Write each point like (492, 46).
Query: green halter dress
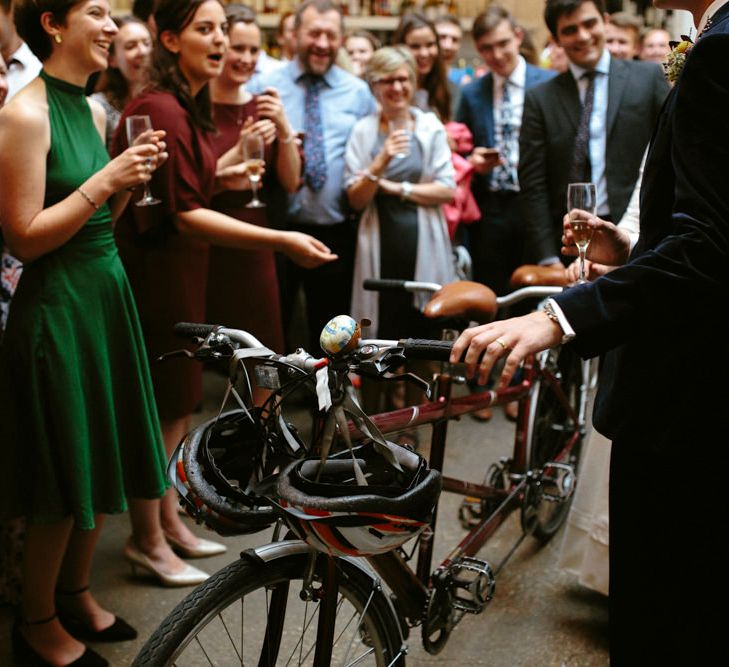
(78, 424)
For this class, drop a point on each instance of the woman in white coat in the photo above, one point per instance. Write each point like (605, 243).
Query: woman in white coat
(398, 173)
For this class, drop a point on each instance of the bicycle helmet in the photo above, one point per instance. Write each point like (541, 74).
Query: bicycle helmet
(326, 507)
(215, 470)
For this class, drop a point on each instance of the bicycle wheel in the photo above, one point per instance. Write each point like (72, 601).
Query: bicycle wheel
(550, 429)
(251, 613)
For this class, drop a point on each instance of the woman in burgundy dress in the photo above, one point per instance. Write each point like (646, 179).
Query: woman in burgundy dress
(165, 247)
(252, 273)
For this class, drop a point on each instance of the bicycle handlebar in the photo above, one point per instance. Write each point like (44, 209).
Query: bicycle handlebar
(532, 291)
(432, 350)
(192, 330)
(383, 284)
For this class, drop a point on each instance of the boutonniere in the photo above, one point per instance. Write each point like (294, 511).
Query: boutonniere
(677, 58)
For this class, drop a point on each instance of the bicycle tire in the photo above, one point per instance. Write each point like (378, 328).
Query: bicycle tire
(548, 432)
(186, 637)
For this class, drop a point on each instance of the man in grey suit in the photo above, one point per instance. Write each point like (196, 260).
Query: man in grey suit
(492, 109)
(590, 123)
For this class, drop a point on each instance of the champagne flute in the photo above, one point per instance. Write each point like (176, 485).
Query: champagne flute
(581, 201)
(254, 162)
(139, 130)
(397, 124)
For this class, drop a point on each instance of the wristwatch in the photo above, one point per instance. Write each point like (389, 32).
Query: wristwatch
(406, 189)
(551, 313)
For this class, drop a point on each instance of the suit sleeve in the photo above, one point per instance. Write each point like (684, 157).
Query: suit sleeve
(463, 111)
(682, 281)
(534, 197)
(661, 89)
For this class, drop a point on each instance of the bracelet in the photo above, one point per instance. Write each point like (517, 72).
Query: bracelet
(370, 176)
(88, 199)
(289, 139)
(550, 312)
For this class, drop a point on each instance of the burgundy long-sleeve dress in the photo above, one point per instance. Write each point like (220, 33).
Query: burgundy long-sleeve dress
(242, 284)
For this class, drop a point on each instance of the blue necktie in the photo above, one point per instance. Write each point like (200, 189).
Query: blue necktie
(315, 166)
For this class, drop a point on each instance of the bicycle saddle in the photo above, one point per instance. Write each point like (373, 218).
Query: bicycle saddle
(463, 298)
(543, 276)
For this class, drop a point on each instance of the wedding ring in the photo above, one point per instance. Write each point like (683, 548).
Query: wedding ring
(501, 342)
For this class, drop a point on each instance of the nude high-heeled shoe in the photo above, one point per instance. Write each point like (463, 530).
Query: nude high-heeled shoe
(190, 576)
(203, 549)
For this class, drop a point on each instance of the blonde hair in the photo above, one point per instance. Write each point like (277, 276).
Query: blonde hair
(388, 59)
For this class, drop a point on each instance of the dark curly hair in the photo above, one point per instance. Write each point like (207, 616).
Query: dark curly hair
(27, 14)
(554, 9)
(174, 16)
(435, 82)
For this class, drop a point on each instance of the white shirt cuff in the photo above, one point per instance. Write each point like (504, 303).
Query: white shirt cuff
(567, 329)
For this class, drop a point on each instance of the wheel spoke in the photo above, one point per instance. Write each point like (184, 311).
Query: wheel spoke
(202, 648)
(266, 594)
(232, 642)
(357, 629)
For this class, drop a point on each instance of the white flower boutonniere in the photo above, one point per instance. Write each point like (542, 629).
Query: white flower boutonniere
(677, 58)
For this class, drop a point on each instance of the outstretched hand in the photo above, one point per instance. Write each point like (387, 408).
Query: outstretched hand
(306, 251)
(514, 339)
(610, 245)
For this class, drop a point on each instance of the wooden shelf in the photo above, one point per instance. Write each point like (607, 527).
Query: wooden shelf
(373, 23)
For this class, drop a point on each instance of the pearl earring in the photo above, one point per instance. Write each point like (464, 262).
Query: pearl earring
(58, 38)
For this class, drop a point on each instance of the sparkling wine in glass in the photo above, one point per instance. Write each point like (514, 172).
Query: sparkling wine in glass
(255, 162)
(401, 124)
(581, 205)
(139, 131)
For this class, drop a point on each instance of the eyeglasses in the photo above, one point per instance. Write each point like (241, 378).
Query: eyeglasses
(402, 80)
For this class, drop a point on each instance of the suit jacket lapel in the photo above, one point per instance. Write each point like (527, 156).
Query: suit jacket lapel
(617, 83)
(569, 97)
(720, 15)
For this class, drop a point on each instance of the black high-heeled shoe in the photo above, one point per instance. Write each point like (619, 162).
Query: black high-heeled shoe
(118, 631)
(26, 656)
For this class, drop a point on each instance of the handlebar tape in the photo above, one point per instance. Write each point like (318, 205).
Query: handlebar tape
(191, 330)
(380, 284)
(435, 350)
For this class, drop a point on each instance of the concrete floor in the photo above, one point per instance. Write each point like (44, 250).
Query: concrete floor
(540, 617)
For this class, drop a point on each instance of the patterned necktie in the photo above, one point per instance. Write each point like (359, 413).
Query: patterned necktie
(505, 175)
(581, 171)
(315, 166)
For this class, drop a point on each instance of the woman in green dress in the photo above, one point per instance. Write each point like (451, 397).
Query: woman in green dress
(78, 424)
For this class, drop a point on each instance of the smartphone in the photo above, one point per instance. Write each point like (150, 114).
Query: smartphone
(486, 152)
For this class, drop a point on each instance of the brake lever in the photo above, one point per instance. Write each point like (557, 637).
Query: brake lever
(176, 353)
(408, 377)
(381, 369)
(201, 354)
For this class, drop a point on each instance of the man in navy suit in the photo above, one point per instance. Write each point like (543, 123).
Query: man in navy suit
(624, 99)
(492, 107)
(662, 397)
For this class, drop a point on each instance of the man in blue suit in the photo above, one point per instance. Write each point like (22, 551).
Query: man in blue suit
(492, 108)
(660, 322)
